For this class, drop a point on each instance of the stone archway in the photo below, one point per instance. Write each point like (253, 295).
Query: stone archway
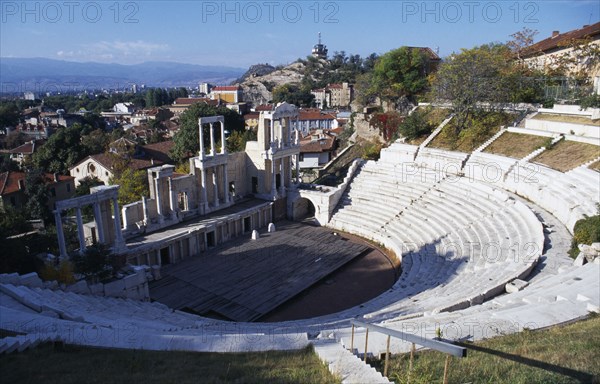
(303, 208)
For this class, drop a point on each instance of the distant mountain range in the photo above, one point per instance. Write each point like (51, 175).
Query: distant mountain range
(39, 74)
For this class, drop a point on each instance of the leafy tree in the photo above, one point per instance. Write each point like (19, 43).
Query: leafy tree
(415, 125)
(62, 150)
(580, 60)
(187, 139)
(6, 164)
(387, 124)
(95, 142)
(134, 185)
(521, 41)
(86, 184)
(36, 190)
(83, 189)
(14, 139)
(400, 72)
(95, 263)
(236, 142)
(477, 75)
(9, 115)
(293, 94)
(19, 253)
(12, 222)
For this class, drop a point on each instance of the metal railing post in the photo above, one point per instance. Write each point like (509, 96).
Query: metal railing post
(352, 341)
(410, 362)
(387, 357)
(366, 345)
(446, 366)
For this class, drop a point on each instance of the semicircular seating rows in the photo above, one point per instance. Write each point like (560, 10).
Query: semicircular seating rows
(461, 239)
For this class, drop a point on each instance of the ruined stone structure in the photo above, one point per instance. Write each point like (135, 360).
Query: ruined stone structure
(107, 224)
(224, 195)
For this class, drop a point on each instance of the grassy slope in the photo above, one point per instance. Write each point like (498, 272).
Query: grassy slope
(516, 145)
(574, 119)
(568, 354)
(72, 364)
(566, 155)
(478, 130)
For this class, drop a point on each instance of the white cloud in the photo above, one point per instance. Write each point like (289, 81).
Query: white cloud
(116, 51)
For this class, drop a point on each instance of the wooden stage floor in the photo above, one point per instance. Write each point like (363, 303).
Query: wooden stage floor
(244, 280)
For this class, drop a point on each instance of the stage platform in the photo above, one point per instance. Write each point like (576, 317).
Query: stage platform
(245, 279)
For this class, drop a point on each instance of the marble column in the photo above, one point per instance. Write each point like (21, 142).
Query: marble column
(159, 210)
(215, 187)
(80, 235)
(298, 168)
(60, 234)
(273, 184)
(223, 145)
(212, 140)
(225, 183)
(119, 241)
(99, 223)
(204, 195)
(282, 177)
(201, 140)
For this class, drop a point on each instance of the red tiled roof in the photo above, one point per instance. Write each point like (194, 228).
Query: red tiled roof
(561, 39)
(9, 181)
(3, 182)
(26, 148)
(324, 144)
(314, 114)
(153, 155)
(251, 115)
(159, 151)
(264, 107)
(108, 161)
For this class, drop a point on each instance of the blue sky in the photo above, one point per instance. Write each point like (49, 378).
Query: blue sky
(241, 33)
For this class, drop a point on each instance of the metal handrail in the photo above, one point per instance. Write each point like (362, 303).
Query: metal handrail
(437, 345)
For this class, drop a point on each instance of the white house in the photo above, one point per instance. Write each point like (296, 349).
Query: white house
(311, 119)
(317, 149)
(124, 108)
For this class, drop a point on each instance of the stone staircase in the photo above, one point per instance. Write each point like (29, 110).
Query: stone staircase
(536, 152)
(347, 366)
(490, 140)
(436, 132)
(21, 343)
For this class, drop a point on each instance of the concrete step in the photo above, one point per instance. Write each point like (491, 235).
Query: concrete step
(344, 364)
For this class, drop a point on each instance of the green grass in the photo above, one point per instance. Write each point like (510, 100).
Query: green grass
(434, 117)
(73, 364)
(569, 354)
(479, 127)
(566, 155)
(575, 119)
(516, 145)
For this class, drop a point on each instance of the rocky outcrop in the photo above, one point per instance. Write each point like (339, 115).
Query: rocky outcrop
(258, 83)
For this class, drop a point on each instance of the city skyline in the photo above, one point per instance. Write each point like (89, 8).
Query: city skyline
(239, 34)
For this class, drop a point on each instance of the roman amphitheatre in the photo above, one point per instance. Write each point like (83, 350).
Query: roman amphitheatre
(468, 245)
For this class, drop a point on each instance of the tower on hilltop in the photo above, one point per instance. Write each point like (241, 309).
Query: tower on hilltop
(319, 50)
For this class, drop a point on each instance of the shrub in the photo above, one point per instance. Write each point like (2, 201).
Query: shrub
(415, 125)
(586, 231)
(95, 263)
(63, 274)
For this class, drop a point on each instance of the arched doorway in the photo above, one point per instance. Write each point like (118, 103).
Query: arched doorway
(303, 209)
